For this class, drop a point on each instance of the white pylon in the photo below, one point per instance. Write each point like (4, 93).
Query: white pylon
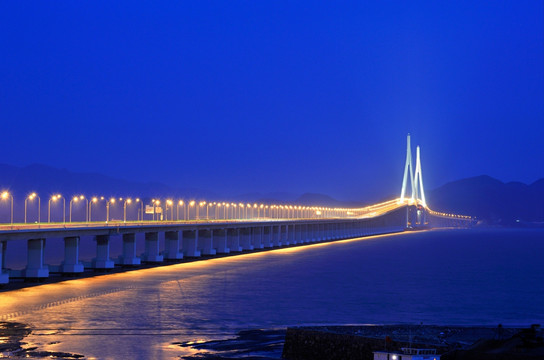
(407, 167)
(416, 180)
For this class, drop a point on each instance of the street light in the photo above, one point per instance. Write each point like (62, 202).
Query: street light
(171, 203)
(76, 199)
(110, 201)
(31, 197)
(207, 211)
(94, 200)
(54, 198)
(141, 208)
(180, 203)
(191, 204)
(155, 202)
(4, 196)
(127, 201)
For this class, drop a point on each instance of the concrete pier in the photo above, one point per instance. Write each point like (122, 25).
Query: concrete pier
(129, 257)
(102, 260)
(256, 238)
(71, 262)
(233, 240)
(152, 252)
(36, 267)
(220, 241)
(245, 240)
(205, 242)
(172, 241)
(189, 241)
(4, 276)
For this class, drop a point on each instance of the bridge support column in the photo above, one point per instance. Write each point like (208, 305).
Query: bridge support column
(276, 236)
(172, 240)
(152, 252)
(220, 241)
(205, 240)
(71, 262)
(129, 257)
(233, 240)
(256, 238)
(284, 237)
(190, 241)
(36, 267)
(4, 277)
(267, 236)
(291, 238)
(246, 239)
(102, 260)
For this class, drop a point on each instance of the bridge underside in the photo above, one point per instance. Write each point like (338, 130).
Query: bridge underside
(168, 243)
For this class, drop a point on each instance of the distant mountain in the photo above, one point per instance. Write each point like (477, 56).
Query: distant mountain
(491, 200)
(47, 180)
(311, 199)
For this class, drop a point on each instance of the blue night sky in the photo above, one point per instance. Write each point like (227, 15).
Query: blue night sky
(266, 96)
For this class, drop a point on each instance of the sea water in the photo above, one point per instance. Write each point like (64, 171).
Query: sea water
(457, 277)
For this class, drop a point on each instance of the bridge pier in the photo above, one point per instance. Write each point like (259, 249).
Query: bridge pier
(172, 240)
(233, 240)
(190, 241)
(35, 267)
(220, 239)
(4, 277)
(71, 262)
(267, 236)
(102, 260)
(284, 234)
(276, 236)
(152, 253)
(256, 238)
(129, 251)
(246, 239)
(205, 240)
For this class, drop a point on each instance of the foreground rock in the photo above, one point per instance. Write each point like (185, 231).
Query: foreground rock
(12, 345)
(453, 342)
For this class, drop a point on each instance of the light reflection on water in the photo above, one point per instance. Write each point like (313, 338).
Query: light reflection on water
(439, 277)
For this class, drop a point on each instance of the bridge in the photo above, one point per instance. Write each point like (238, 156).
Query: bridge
(207, 229)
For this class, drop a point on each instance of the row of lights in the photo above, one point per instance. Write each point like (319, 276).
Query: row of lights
(277, 211)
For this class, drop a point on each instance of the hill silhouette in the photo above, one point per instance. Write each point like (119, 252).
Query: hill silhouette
(491, 200)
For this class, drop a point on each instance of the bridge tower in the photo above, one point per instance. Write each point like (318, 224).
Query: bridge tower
(408, 169)
(416, 178)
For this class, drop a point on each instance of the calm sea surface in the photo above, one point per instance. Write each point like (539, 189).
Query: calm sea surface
(459, 277)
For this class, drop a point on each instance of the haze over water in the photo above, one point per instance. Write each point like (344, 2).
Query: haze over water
(458, 277)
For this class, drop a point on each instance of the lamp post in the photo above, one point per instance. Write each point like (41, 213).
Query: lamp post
(31, 197)
(54, 198)
(110, 201)
(127, 201)
(171, 203)
(94, 200)
(4, 196)
(141, 209)
(180, 203)
(74, 199)
(191, 204)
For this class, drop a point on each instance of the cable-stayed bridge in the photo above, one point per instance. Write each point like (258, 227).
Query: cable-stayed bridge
(185, 230)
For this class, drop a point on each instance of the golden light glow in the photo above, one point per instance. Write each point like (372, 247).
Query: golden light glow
(95, 199)
(129, 201)
(5, 195)
(112, 200)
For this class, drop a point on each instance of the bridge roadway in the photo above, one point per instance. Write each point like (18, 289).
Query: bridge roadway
(193, 239)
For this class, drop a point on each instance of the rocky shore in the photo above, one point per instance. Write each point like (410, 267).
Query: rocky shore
(12, 344)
